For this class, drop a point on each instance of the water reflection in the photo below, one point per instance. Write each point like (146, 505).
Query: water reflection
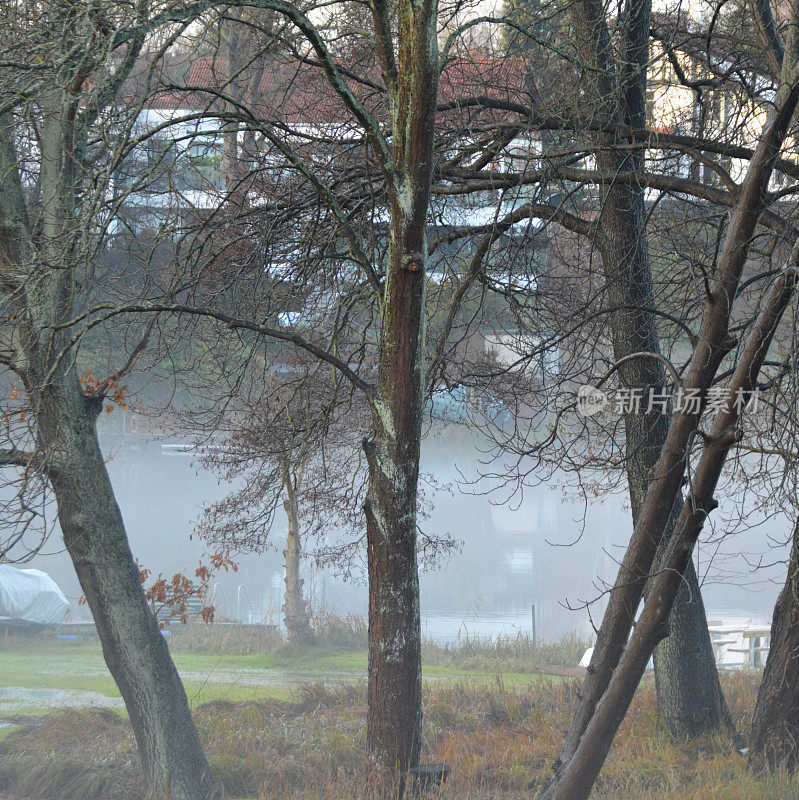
(539, 550)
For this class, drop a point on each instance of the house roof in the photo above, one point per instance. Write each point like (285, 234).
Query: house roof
(299, 93)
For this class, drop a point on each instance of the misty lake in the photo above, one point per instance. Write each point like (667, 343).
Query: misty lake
(547, 549)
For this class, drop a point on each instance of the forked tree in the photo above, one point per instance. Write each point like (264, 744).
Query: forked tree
(618, 661)
(401, 150)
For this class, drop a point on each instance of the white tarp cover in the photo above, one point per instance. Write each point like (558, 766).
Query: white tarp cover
(31, 595)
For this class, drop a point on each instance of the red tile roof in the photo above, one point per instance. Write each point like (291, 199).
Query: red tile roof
(297, 93)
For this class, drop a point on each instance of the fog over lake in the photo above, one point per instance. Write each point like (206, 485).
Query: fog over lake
(547, 548)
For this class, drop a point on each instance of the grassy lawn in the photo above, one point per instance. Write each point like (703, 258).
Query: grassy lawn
(79, 669)
(498, 740)
(288, 722)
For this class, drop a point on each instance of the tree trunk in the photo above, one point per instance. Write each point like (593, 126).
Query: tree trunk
(775, 726)
(394, 720)
(295, 612)
(617, 664)
(134, 649)
(230, 56)
(689, 696)
(690, 701)
(395, 690)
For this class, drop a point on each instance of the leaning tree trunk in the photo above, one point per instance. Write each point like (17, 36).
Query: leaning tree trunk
(575, 779)
(775, 726)
(136, 653)
(617, 664)
(295, 612)
(690, 701)
(68, 452)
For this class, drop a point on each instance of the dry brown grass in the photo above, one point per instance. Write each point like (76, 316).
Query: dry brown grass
(242, 640)
(499, 742)
(516, 653)
(348, 632)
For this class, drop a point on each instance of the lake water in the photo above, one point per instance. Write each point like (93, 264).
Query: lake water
(547, 549)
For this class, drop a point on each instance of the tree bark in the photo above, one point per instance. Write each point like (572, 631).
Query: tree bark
(689, 696)
(134, 649)
(230, 51)
(394, 720)
(775, 725)
(295, 612)
(690, 701)
(395, 713)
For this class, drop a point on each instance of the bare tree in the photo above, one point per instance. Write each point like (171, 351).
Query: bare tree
(294, 436)
(690, 700)
(62, 70)
(618, 664)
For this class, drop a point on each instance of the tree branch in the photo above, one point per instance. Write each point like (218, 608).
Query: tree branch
(233, 323)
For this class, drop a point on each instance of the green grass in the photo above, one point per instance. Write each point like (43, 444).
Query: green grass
(35, 664)
(79, 667)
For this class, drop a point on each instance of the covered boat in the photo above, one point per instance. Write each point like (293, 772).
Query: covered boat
(31, 595)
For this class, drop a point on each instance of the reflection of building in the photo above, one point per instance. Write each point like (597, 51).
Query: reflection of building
(530, 550)
(514, 554)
